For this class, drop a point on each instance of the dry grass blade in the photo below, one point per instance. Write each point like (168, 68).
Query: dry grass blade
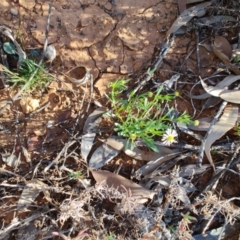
(225, 123)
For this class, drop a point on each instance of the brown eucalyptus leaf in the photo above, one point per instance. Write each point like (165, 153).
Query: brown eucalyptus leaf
(225, 123)
(195, 11)
(30, 192)
(225, 59)
(223, 46)
(231, 96)
(123, 185)
(121, 144)
(220, 87)
(102, 155)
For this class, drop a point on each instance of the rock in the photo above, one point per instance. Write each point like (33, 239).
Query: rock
(13, 11)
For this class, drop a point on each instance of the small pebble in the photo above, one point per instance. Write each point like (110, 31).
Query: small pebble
(14, 11)
(50, 53)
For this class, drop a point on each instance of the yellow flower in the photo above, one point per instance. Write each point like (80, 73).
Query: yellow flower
(133, 136)
(195, 122)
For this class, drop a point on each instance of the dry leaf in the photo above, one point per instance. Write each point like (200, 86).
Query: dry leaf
(86, 144)
(211, 102)
(153, 165)
(30, 192)
(218, 51)
(11, 159)
(220, 87)
(89, 126)
(216, 19)
(192, 169)
(121, 144)
(230, 96)
(208, 47)
(223, 46)
(102, 155)
(26, 154)
(182, 5)
(195, 11)
(122, 184)
(225, 123)
(92, 117)
(27, 232)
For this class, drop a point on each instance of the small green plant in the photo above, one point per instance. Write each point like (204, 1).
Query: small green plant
(238, 130)
(25, 71)
(75, 175)
(236, 59)
(144, 116)
(110, 237)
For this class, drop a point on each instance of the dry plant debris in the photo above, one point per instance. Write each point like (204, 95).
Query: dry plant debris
(66, 172)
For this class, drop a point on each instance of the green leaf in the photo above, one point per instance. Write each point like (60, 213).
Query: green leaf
(9, 48)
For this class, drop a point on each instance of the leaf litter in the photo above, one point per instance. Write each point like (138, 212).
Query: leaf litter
(62, 137)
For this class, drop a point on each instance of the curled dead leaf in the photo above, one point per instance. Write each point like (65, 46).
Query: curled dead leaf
(220, 89)
(225, 123)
